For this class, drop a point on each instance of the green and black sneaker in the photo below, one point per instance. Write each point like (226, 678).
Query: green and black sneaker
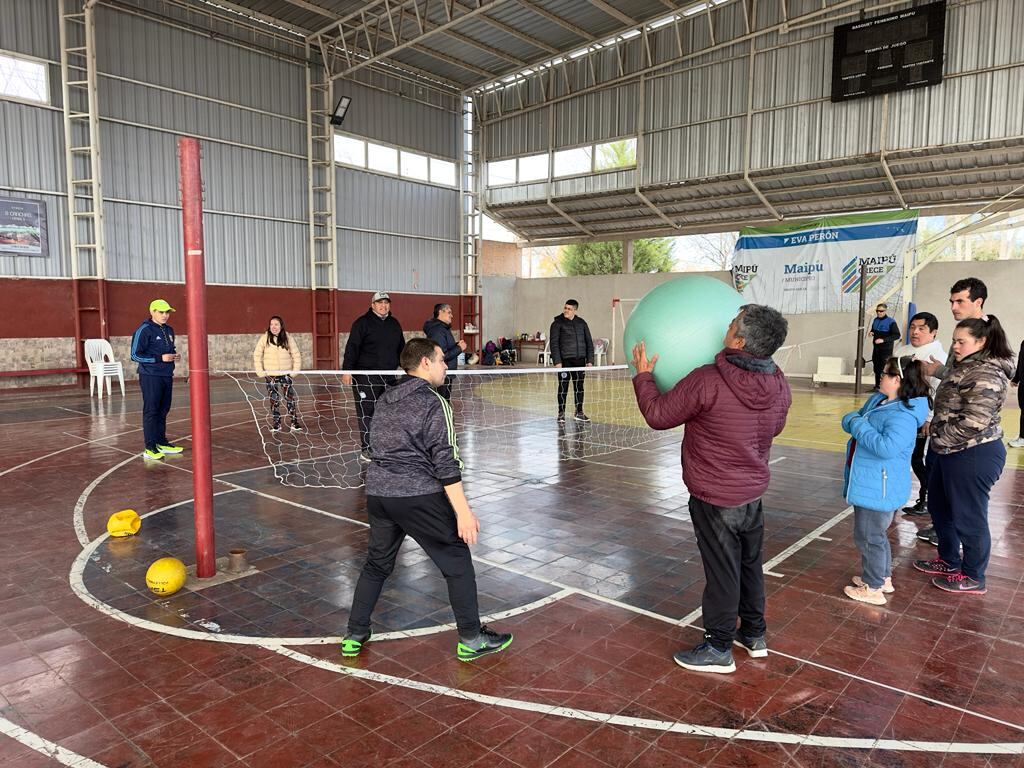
(352, 643)
(169, 449)
(488, 641)
(152, 454)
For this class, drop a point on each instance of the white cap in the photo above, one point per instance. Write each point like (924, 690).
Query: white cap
(380, 296)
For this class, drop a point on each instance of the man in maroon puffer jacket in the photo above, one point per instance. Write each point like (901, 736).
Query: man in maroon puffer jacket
(732, 409)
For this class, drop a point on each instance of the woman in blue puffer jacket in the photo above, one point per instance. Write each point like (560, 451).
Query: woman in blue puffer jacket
(877, 476)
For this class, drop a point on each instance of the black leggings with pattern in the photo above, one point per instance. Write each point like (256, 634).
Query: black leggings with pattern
(275, 385)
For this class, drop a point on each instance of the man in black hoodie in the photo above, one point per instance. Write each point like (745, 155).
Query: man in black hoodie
(414, 487)
(571, 346)
(439, 329)
(884, 335)
(374, 344)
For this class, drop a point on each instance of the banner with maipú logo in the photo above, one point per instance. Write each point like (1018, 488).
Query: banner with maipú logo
(814, 265)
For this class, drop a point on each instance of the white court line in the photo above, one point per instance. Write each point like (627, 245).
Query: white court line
(668, 726)
(78, 516)
(796, 546)
(76, 579)
(84, 442)
(45, 747)
(816, 533)
(277, 645)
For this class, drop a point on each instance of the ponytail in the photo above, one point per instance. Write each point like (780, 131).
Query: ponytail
(990, 329)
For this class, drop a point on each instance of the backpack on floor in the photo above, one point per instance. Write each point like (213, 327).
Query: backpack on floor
(490, 349)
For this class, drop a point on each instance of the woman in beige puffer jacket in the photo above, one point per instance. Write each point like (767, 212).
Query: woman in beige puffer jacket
(277, 359)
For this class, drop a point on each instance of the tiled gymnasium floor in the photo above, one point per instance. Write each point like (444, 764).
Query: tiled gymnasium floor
(593, 561)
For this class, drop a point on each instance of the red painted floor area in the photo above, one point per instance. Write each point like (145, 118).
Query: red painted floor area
(594, 560)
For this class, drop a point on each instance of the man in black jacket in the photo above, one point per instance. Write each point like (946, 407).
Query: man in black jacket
(374, 344)
(414, 488)
(572, 347)
(884, 333)
(439, 330)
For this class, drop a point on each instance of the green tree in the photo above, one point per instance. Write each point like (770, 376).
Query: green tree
(616, 154)
(653, 255)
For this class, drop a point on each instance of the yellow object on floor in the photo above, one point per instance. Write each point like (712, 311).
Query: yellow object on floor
(166, 576)
(124, 523)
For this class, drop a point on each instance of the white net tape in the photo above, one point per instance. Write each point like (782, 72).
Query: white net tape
(502, 416)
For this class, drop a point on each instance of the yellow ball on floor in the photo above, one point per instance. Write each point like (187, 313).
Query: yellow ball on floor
(124, 523)
(166, 576)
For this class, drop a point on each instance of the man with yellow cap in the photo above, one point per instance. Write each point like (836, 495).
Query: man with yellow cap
(153, 349)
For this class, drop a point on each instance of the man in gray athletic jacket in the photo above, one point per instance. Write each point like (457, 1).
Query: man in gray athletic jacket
(414, 487)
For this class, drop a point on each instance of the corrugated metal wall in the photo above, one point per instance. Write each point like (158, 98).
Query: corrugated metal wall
(695, 112)
(32, 145)
(30, 27)
(395, 234)
(394, 119)
(248, 109)
(396, 230)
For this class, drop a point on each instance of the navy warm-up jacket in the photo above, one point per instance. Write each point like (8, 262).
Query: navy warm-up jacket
(149, 343)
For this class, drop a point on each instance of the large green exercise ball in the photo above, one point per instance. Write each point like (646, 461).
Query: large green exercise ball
(684, 322)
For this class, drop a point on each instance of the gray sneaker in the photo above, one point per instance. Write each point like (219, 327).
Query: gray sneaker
(706, 658)
(365, 455)
(756, 647)
(486, 642)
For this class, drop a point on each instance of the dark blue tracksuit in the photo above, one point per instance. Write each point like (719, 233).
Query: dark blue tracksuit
(156, 378)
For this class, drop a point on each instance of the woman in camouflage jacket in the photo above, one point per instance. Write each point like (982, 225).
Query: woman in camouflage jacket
(966, 454)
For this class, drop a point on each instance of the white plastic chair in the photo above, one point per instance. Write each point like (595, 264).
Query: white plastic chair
(102, 366)
(544, 356)
(600, 351)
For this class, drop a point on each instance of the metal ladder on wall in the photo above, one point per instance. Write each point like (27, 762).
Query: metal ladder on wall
(323, 267)
(82, 166)
(471, 229)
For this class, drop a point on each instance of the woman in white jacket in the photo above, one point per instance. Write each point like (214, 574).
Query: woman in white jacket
(277, 359)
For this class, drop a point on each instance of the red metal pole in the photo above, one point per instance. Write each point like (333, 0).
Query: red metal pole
(198, 357)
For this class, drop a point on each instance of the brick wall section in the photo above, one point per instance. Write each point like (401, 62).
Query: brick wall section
(227, 352)
(37, 332)
(501, 259)
(27, 354)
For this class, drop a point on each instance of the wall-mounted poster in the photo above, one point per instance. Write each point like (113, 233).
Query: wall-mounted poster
(814, 265)
(22, 226)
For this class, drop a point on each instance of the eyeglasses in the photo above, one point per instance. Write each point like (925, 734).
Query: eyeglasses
(880, 311)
